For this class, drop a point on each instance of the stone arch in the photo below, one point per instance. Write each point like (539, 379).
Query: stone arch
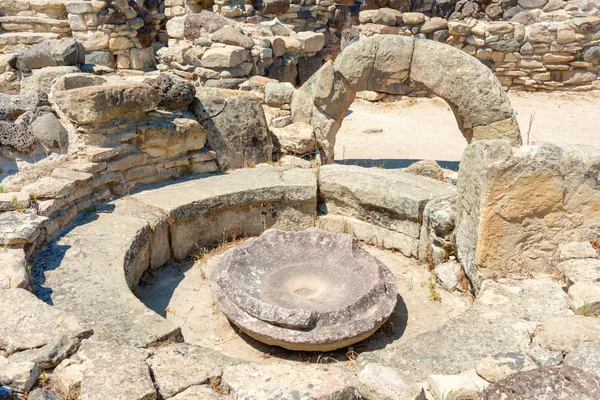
(385, 63)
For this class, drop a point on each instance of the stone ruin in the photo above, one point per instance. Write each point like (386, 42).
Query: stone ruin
(137, 135)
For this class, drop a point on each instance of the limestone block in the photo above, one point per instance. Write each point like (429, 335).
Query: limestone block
(501, 365)
(310, 42)
(13, 269)
(171, 137)
(224, 57)
(92, 40)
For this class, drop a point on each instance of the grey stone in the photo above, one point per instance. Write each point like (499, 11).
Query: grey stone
(92, 104)
(584, 298)
(13, 269)
(232, 36)
(505, 46)
(553, 5)
(42, 394)
(196, 25)
(178, 367)
(580, 270)
(544, 357)
(104, 58)
(277, 94)
(229, 83)
(529, 4)
(382, 383)
(575, 250)
(51, 187)
(111, 371)
(436, 240)
(498, 366)
(552, 383)
(16, 137)
(585, 357)
(198, 393)
(50, 132)
(51, 53)
(279, 314)
(451, 276)
(270, 382)
(37, 325)
(296, 138)
(112, 16)
(19, 376)
(19, 228)
(51, 354)
(275, 6)
(224, 57)
(592, 55)
(43, 79)
(174, 94)
(236, 125)
(565, 333)
(102, 261)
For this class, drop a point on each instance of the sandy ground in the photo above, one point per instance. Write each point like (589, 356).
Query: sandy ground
(181, 293)
(415, 129)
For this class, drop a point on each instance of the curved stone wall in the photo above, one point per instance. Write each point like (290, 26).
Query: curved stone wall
(387, 63)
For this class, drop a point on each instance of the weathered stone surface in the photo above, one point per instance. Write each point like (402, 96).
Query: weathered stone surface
(198, 393)
(51, 187)
(30, 323)
(51, 354)
(565, 333)
(383, 383)
(280, 314)
(500, 365)
(178, 367)
(277, 94)
(586, 358)
(94, 104)
(51, 53)
(296, 138)
(254, 382)
(169, 137)
(451, 276)
(42, 394)
(105, 255)
(236, 125)
(584, 298)
(19, 228)
(16, 137)
(205, 21)
(575, 250)
(347, 191)
(19, 376)
(174, 94)
(224, 57)
(108, 371)
(232, 36)
(245, 201)
(428, 168)
(437, 241)
(103, 58)
(275, 6)
(474, 94)
(49, 132)
(550, 383)
(466, 385)
(42, 79)
(13, 269)
(544, 357)
(580, 270)
(142, 59)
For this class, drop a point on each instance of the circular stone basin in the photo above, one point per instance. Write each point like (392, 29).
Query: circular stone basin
(308, 291)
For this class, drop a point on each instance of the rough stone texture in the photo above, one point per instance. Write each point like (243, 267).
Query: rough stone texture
(437, 241)
(30, 323)
(13, 269)
(552, 383)
(428, 168)
(451, 276)
(586, 358)
(49, 132)
(168, 137)
(94, 104)
(474, 94)
(277, 94)
(580, 270)
(177, 367)
(108, 371)
(270, 382)
(499, 366)
(463, 386)
(198, 393)
(224, 57)
(18, 376)
(42, 79)
(174, 94)
(103, 58)
(383, 383)
(305, 296)
(100, 258)
(208, 210)
(498, 322)
(19, 228)
(565, 333)
(502, 228)
(584, 298)
(51, 53)
(398, 206)
(16, 137)
(42, 394)
(236, 125)
(296, 138)
(575, 250)
(204, 21)
(232, 36)
(50, 355)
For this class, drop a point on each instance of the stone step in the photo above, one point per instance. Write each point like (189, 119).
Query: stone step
(11, 22)
(27, 38)
(90, 269)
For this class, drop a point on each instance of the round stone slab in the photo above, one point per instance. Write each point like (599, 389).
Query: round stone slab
(309, 291)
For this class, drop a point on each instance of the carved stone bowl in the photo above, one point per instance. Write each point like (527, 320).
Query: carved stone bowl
(307, 291)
